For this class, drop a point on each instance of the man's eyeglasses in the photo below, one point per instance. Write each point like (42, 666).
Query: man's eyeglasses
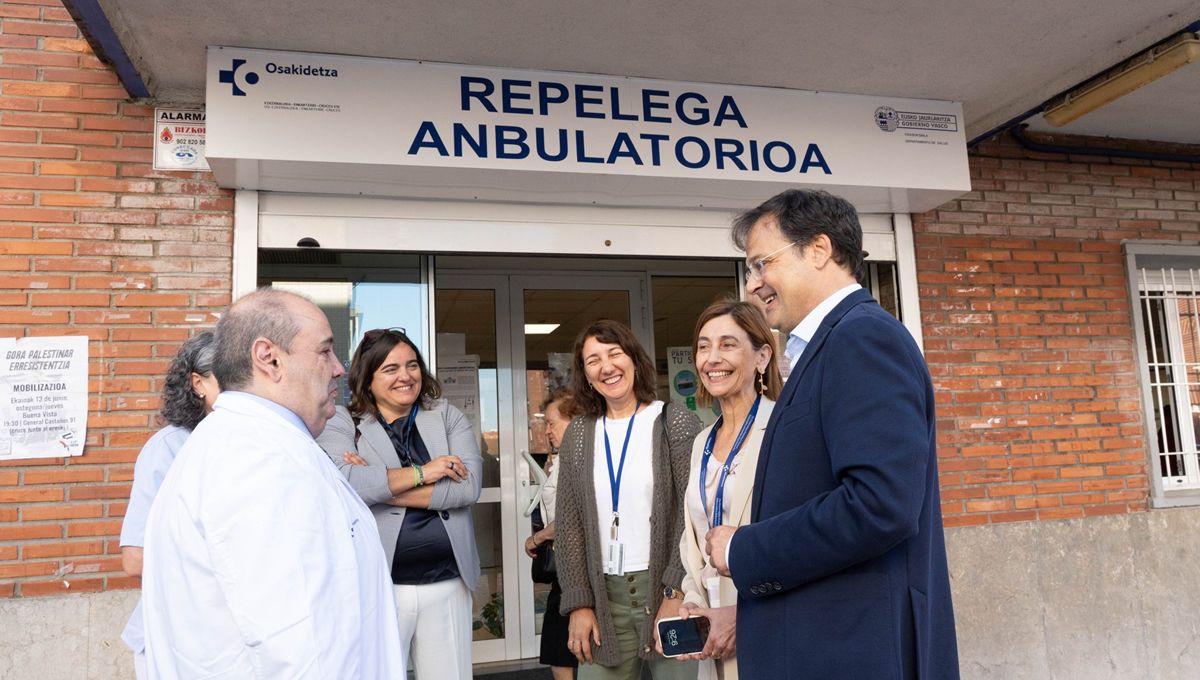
(755, 269)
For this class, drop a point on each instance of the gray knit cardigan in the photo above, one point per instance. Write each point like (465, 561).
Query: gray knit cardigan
(577, 532)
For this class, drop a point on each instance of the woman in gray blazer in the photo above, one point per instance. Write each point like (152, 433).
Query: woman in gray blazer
(414, 459)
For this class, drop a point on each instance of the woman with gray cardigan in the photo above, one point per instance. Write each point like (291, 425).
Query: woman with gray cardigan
(414, 459)
(621, 489)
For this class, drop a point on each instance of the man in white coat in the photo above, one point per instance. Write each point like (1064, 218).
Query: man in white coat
(261, 561)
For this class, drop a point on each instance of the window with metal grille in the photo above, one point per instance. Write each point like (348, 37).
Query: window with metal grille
(1166, 287)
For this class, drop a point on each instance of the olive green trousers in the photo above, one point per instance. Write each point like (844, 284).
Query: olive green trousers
(629, 599)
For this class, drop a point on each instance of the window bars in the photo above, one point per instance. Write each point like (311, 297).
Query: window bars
(1170, 305)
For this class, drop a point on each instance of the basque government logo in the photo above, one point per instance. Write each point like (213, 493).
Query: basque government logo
(230, 76)
(887, 119)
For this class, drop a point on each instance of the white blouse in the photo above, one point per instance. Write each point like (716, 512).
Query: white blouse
(637, 485)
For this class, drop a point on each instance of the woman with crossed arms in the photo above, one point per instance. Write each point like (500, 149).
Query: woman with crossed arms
(414, 459)
(734, 356)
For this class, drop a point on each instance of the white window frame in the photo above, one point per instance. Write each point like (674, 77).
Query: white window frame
(1178, 270)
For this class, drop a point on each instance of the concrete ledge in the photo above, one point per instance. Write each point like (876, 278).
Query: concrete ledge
(72, 637)
(1100, 598)
(1104, 597)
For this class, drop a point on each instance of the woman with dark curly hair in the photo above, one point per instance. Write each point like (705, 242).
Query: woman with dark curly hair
(188, 394)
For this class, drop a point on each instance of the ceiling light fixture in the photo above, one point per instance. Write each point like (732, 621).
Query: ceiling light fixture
(1142, 69)
(540, 328)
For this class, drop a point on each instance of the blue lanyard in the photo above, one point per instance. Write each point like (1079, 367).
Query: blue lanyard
(412, 419)
(614, 481)
(718, 515)
(404, 447)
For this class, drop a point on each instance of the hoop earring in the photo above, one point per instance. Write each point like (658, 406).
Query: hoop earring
(762, 387)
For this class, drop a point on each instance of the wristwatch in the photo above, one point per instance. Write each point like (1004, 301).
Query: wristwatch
(672, 593)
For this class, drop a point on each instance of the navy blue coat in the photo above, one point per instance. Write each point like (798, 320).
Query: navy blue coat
(842, 571)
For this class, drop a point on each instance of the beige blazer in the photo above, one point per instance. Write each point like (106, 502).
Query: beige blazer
(691, 544)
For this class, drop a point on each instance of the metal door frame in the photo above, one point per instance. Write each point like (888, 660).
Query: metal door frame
(632, 283)
(513, 420)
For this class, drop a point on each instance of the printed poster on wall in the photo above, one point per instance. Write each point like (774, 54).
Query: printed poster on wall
(43, 397)
(179, 139)
(681, 373)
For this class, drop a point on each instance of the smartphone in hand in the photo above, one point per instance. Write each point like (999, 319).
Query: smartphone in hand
(682, 636)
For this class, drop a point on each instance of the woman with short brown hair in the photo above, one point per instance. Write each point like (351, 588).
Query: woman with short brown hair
(734, 353)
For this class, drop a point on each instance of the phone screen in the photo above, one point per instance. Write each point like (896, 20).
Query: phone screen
(683, 636)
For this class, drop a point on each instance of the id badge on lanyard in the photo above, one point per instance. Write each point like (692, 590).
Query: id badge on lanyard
(615, 562)
(615, 565)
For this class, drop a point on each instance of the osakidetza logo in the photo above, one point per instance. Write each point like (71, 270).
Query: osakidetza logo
(239, 79)
(230, 75)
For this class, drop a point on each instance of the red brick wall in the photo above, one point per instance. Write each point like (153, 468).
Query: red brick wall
(92, 242)
(1029, 334)
(1025, 307)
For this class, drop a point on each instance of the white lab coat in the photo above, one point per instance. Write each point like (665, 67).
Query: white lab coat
(262, 562)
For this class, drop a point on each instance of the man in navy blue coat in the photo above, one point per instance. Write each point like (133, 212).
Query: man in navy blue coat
(842, 571)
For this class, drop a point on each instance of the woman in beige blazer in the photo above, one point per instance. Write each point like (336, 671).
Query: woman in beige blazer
(734, 356)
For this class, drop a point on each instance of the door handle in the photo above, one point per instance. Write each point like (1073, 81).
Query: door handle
(538, 474)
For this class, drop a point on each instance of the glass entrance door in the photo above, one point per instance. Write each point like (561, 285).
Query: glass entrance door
(514, 334)
(551, 311)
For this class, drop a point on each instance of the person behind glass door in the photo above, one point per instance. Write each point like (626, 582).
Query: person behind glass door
(558, 410)
(414, 459)
(189, 390)
(620, 508)
(734, 355)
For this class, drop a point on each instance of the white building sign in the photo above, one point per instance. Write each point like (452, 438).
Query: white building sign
(179, 137)
(373, 122)
(43, 397)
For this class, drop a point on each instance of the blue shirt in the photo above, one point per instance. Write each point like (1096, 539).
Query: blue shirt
(148, 473)
(804, 331)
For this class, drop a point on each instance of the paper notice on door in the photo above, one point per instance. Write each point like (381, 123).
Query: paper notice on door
(459, 376)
